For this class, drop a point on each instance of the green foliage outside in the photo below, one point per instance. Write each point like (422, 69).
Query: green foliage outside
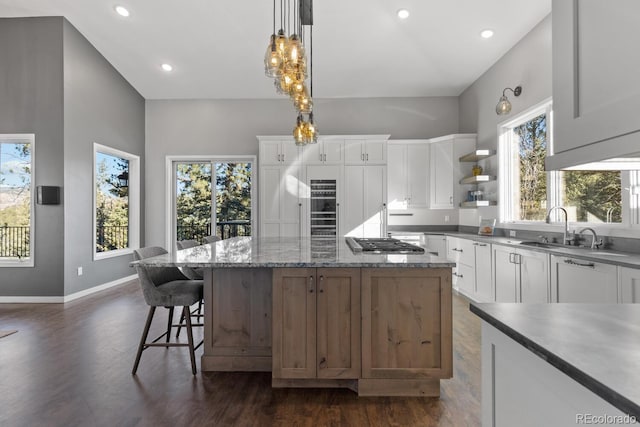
(594, 196)
(112, 204)
(15, 196)
(193, 197)
(533, 179)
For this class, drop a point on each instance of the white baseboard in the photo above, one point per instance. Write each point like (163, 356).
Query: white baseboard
(67, 298)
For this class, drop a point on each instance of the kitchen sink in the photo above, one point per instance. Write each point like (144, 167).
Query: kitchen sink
(537, 244)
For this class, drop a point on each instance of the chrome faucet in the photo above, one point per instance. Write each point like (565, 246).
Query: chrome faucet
(565, 239)
(595, 243)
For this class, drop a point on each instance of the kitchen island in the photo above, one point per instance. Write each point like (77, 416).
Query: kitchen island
(316, 314)
(560, 364)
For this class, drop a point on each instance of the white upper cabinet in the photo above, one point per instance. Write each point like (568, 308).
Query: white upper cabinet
(364, 213)
(408, 185)
(365, 151)
(445, 169)
(327, 151)
(596, 90)
(278, 152)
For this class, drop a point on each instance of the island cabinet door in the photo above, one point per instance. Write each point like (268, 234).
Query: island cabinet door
(338, 323)
(406, 323)
(294, 323)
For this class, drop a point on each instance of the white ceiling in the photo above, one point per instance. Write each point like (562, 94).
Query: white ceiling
(361, 48)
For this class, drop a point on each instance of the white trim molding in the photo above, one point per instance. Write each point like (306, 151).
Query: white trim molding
(66, 298)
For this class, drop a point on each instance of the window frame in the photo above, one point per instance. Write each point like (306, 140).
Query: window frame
(30, 261)
(134, 202)
(507, 172)
(170, 188)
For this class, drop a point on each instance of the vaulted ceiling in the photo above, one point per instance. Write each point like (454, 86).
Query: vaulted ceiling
(360, 47)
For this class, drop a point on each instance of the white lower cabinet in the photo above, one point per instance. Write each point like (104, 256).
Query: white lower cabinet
(629, 280)
(437, 243)
(472, 274)
(520, 275)
(578, 280)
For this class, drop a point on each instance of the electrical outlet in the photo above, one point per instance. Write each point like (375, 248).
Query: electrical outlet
(512, 233)
(79, 271)
(446, 218)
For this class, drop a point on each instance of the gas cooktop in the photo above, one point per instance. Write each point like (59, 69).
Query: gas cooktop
(382, 245)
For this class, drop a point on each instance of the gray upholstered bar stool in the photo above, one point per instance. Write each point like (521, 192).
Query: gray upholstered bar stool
(211, 239)
(193, 274)
(166, 287)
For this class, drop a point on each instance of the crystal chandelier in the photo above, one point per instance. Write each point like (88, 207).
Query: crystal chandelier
(285, 61)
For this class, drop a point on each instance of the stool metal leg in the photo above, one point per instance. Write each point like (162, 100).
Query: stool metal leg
(169, 323)
(143, 339)
(187, 316)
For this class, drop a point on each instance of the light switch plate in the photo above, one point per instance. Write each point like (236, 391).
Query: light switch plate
(512, 233)
(79, 271)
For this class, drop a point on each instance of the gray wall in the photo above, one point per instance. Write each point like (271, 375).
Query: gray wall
(229, 127)
(527, 64)
(99, 106)
(31, 102)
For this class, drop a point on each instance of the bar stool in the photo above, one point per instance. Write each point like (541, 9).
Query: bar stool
(193, 274)
(166, 287)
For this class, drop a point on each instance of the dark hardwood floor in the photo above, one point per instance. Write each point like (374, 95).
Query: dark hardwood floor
(70, 365)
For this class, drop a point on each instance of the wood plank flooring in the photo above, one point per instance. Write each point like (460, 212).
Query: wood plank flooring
(70, 365)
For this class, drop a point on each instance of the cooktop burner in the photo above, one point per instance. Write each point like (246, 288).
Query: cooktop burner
(382, 245)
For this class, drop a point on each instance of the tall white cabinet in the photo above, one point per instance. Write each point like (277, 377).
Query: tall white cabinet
(445, 169)
(356, 162)
(408, 185)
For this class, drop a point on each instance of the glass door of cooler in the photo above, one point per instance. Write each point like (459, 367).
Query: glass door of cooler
(323, 209)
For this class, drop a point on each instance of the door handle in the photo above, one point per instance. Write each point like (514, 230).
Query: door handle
(337, 220)
(367, 157)
(310, 284)
(320, 289)
(300, 218)
(450, 200)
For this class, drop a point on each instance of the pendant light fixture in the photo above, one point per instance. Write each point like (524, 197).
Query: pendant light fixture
(285, 61)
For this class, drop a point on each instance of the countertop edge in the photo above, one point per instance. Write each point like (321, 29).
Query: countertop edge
(312, 264)
(614, 398)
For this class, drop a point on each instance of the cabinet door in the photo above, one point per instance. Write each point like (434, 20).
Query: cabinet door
(576, 280)
(397, 181)
(333, 149)
(375, 152)
(374, 201)
(406, 323)
(351, 215)
(593, 100)
(465, 279)
(504, 274)
(629, 285)
(270, 152)
(289, 152)
(291, 208)
(441, 175)
(483, 289)
(437, 244)
(417, 174)
(353, 152)
(338, 323)
(270, 178)
(294, 323)
(534, 276)
(312, 154)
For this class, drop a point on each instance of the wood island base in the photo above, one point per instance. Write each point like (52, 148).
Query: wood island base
(376, 331)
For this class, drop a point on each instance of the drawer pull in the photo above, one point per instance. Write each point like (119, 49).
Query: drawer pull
(586, 264)
(458, 275)
(456, 249)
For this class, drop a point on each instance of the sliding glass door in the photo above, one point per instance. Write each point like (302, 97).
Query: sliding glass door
(212, 197)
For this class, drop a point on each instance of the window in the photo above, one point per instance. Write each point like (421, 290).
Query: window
(211, 191)
(16, 206)
(116, 202)
(528, 191)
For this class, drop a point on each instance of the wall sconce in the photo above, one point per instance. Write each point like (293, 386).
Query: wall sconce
(504, 106)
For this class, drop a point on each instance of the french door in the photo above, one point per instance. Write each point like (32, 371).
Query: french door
(211, 196)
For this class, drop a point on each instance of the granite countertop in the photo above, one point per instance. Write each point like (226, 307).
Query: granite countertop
(287, 252)
(623, 259)
(597, 345)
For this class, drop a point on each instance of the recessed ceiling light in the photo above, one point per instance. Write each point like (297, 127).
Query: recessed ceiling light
(122, 11)
(486, 34)
(167, 67)
(403, 14)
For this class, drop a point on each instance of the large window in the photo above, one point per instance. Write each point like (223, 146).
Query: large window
(16, 205)
(116, 189)
(528, 191)
(212, 197)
